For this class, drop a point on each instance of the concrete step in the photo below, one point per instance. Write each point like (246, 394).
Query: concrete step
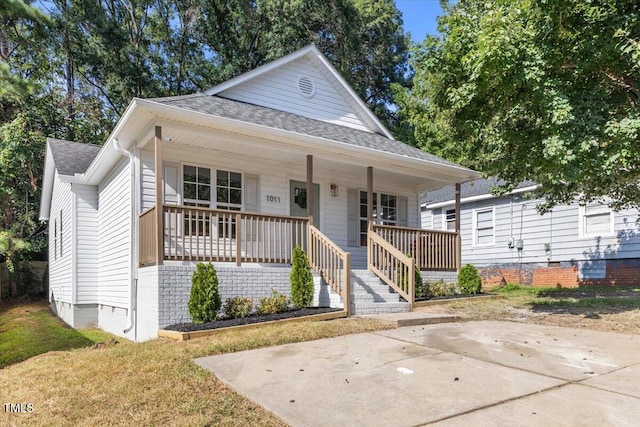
(414, 318)
(369, 295)
(362, 308)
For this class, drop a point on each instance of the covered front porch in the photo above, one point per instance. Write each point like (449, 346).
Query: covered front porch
(177, 232)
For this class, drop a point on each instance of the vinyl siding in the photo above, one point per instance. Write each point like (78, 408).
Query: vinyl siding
(279, 90)
(274, 181)
(60, 265)
(114, 232)
(86, 243)
(518, 218)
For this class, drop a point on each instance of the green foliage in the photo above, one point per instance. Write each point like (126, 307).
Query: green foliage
(301, 279)
(204, 301)
(438, 288)
(547, 91)
(237, 307)
(276, 303)
(469, 281)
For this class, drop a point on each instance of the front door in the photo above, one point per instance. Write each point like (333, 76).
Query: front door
(298, 200)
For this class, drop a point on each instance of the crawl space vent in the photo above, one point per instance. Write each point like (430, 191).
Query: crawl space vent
(306, 87)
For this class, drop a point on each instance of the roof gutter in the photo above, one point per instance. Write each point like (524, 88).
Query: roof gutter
(478, 197)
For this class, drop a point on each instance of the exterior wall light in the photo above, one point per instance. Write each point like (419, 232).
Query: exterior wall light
(334, 190)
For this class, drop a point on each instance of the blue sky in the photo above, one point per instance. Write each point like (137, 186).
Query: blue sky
(420, 17)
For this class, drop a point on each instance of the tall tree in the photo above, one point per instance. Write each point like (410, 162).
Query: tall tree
(540, 90)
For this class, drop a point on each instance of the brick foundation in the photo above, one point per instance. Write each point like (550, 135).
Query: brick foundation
(564, 274)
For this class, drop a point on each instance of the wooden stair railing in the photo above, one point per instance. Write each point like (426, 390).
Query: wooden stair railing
(331, 263)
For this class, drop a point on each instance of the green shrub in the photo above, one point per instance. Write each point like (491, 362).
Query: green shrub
(439, 288)
(276, 303)
(238, 307)
(204, 301)
(469, 280)
(401, 281)
(301, 279)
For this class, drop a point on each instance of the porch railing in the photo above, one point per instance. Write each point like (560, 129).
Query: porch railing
(332, 263)
(393, 266)
(431, 249)
(147, 241)
(203, 234)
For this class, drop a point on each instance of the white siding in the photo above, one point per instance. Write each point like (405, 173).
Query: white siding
(114, 231)
(86, 243)
(278, 89)
(517, 218)
(60, 253)
(274, 181)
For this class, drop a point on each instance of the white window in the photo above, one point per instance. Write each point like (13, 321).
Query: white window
(196, 191)
(449, 219)
(595, 221)
(483, 227)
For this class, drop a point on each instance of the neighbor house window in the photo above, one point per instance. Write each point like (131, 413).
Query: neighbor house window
(196, 191)
(483, 227)
(595, 221)
(449, 220)
(386, 215)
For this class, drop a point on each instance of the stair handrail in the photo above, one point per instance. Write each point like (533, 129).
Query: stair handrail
(331, 263)
(386, 261)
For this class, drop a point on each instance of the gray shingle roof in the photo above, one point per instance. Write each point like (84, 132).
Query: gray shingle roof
(477, 187)
(250, 113)
(72, 157)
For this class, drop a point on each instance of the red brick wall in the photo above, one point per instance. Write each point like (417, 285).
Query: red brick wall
(618, 272)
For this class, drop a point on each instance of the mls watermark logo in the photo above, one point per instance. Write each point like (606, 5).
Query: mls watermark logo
(17, 408)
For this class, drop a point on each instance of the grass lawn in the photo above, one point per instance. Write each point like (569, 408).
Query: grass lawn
(153, 383)
(29, 329)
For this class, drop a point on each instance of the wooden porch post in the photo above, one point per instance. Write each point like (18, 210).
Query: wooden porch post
(458, 237)
(369, 213)
(370, 196)
(157, 143)
(309, 247)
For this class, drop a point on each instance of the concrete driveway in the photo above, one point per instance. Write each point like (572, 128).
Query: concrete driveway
(466, 374)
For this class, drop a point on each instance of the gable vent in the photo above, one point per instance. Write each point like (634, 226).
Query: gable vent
(306, 87)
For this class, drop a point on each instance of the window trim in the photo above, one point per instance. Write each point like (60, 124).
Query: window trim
(474, 242)
(213, 203)
(582, 215)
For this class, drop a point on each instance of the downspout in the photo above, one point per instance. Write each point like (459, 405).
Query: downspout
(132, 293)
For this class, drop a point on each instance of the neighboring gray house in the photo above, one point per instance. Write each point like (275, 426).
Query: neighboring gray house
(284, 155)
(509, 241)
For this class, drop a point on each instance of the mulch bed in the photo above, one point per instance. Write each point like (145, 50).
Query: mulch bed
(252, 318)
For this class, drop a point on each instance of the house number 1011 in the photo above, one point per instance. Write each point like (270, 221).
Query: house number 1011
(273, 199)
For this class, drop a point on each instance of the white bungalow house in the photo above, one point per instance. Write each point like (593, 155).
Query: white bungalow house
(284, 155)
(509, 241)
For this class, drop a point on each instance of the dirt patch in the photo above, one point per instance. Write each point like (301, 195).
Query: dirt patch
(608, 309)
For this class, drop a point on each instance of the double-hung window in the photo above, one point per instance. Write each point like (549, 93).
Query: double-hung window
(595, 221)
(484, 227)
(450, 220)
(196, 184)
(229, 197)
